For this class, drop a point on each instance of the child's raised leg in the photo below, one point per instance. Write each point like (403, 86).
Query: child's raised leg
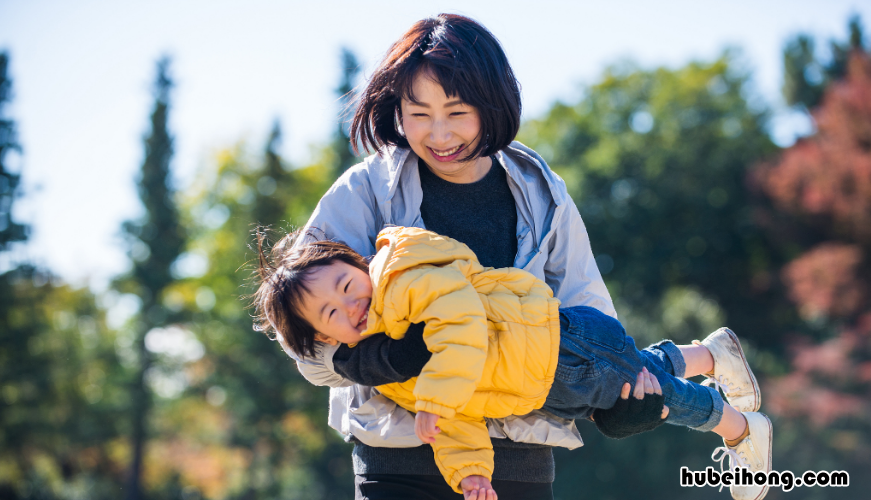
(698, 360)
(722, 359)
(597, 358)
(732, 425)
(747, 435)
(750, 451)
(719, 357)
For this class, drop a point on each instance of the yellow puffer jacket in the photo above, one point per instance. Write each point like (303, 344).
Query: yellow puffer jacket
(494, 335)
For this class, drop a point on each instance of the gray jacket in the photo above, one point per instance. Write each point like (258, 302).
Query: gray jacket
(552, 243)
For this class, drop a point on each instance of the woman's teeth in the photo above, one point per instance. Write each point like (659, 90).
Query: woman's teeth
(446, 153)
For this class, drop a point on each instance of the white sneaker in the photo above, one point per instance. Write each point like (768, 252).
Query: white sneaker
(753, 454)
(731, 373)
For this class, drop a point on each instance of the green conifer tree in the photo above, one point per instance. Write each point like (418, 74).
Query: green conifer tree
(59, 399)
(271, 203)
(806, 75)
(345, 91)
(156, 241)
(9, 231)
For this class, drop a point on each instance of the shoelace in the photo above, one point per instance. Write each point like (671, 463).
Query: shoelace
(735, 459)
(719, 383)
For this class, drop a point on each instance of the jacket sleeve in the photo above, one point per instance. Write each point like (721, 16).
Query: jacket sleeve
(571, 269)
(463, 448)
(318, 369)
(455, 332)
(380, 359)
(348, 212)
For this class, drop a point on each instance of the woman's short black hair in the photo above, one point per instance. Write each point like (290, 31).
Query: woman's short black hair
(465, 59)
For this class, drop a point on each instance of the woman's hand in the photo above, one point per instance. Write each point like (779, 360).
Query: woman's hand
(646, 383)
(425, 427)
(643, 412)
(477, 488)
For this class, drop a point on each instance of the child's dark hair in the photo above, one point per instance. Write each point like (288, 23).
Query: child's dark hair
(465, 59)
(284, 280)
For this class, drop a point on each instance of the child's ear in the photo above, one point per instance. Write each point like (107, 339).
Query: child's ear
(320, 337)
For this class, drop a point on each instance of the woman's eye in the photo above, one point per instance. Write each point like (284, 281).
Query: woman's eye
(458, 113)
(346, 286)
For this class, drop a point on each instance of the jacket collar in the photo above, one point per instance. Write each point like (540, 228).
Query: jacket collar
(516, 159)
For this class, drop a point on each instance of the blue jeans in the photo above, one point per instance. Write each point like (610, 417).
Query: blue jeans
(596, 358)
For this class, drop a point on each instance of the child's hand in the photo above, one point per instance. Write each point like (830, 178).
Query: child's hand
(477, 488)
(425, 426)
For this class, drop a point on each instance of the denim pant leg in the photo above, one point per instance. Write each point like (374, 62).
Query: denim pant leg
(596, 358)
(667, 356)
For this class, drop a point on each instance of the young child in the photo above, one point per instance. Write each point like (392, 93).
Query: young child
(501, 346)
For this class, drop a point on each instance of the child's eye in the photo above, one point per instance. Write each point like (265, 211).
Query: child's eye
(346, 286)
(331, 314)
(458, 113)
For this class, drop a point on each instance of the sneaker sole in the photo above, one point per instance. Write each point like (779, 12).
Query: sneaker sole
(756, 391)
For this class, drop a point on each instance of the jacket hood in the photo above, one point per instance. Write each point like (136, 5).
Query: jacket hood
(401, 248)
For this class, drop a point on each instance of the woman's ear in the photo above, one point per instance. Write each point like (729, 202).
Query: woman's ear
(320, 337)
(397, 122)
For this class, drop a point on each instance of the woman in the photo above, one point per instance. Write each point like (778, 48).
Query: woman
(442, 110)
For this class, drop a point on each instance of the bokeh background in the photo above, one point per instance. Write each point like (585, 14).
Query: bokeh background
(720, 155)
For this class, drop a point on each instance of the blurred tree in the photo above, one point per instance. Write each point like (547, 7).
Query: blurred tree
(60, 399)
(820, 189)
(243, 407)
(690, 234)
(656, 162)
(806, 74)
(265, 427)
(156, 241)
(345, 157)
(269, 209)
(9, 230)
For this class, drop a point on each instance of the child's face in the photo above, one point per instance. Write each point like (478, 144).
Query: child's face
(441, 130)
(338, 303)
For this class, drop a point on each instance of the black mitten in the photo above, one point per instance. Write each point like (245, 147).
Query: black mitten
(381, 360)
(630, 416)
(409, 354)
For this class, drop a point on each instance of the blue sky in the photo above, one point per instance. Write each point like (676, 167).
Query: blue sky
(82, 73)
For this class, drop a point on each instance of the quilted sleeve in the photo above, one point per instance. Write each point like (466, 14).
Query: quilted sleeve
(463, 448)
(455, 333)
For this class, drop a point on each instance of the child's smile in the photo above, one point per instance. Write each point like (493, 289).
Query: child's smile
(337, 305)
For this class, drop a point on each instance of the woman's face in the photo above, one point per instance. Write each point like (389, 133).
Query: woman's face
(441, 130)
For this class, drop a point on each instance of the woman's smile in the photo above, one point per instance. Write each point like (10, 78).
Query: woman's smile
(448, 155)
